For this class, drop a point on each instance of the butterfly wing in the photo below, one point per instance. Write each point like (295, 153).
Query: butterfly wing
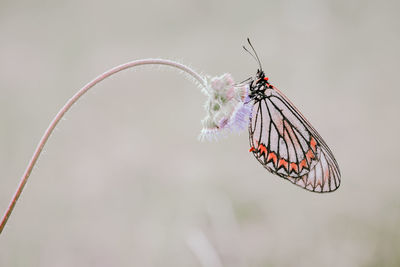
(286, 144)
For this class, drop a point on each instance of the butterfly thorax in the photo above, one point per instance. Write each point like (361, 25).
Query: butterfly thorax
(259, 86)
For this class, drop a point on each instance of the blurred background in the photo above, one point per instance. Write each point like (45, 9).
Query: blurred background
(125, 182)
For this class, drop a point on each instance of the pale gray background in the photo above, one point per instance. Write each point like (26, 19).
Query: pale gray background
(125, 182)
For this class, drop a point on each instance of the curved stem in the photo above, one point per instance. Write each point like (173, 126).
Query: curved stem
(69, 104)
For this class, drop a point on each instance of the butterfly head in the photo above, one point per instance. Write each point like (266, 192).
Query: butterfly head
(259, 83)
(260, 76)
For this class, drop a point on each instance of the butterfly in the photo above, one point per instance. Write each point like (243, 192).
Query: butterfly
(283, 140)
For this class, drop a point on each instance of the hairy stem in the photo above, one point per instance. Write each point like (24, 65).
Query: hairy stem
(69, 104)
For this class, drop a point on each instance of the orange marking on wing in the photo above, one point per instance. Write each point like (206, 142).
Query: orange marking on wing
(284, 163)
(262, 149)
(293, 166)
(313, 144)
(326, 176)
(302, 164)
(252, 149)
(266, 79)
(272, 156)
(310, 155)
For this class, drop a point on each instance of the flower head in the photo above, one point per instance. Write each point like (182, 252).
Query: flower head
(228, 107)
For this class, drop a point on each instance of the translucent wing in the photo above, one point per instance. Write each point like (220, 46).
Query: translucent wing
(286, 144)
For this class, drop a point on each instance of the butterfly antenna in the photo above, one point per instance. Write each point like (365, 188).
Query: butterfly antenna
(250, 53)
(257, 58)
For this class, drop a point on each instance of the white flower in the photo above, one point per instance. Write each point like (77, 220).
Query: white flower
(228, 107)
